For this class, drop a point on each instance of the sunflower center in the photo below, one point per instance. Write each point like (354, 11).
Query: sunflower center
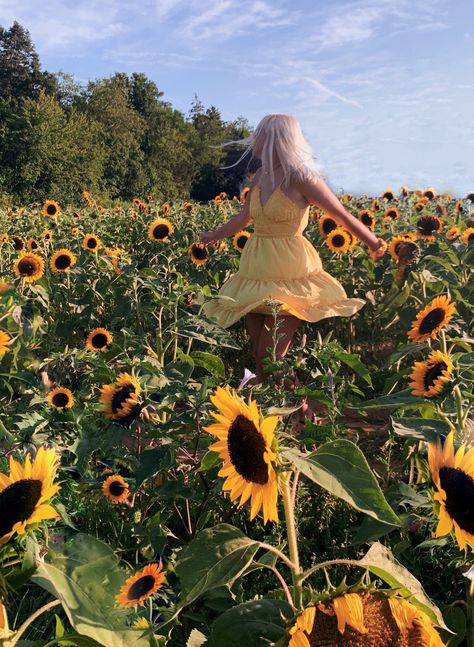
(433, 373)
(241, 240)
(28, 266)
(141, 587)
(99, 340)
(428, 224)
(470, 238)
(432, 320)
(33, 244)
(62, 262)
(391, 213)
(92, 243)
(338, 240)
(17, 503)
(51, 209)
(200, 253)
(18, 243)
(366, 219)
(160, 231)
(247, 450)
(459, 488)
(121, 396)
(60, 399)
(328, 226)
(116, 488)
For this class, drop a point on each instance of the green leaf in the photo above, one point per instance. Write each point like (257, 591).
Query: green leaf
(341, 468)
(353, 361)
(152, 461)
(253, 624)
(393, 401)
(420, 428)
(216, 557)
(211, 363)
(405, 351)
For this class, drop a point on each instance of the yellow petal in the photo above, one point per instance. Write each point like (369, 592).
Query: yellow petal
(445, 523)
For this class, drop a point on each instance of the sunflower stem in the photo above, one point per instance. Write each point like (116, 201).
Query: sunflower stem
(459, 410)
(444, 346)
(292, 539)
(26, 624)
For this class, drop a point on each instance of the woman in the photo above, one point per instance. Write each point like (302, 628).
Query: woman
(278, 262)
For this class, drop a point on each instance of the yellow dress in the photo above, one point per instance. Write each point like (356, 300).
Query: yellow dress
(279, 262)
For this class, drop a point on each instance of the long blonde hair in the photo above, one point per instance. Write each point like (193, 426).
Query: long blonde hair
(282, 135)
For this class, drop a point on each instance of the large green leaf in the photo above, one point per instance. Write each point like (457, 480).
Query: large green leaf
(84, 575)
(212, 363)
(216, 557)
(421, 428)
(392, 401)
(341, 468)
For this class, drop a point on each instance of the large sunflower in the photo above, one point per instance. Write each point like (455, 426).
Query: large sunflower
(364, 620)
(115, 488)
(326, 224)
(432, 318)
(60, 398)
(91, 242)
(339, 240)
(99, 339)
(25, 493)
(120, 400)
(199, 254)
(428, 226)
(62, 260)
(5, 341)
(160, 229)
(395, 244)
(429, 378)
(245, 444)
(29, 266)
(240, 239)
(141, 585)
(468, 236)
(51, 209)
(453, 475)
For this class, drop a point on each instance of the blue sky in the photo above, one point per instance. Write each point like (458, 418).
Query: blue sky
(383, 89)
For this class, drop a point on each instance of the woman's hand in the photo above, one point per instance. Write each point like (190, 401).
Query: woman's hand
(207, 237)
(376, 254)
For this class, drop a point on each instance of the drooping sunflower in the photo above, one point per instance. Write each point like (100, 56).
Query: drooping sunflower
(468, 236)
(326, 225)
(199, 254)
(62, 260)
(395, 243)
(115, 488)
(51, 209)
(121, 400)
(5, 341)
(240, 239)
(29, 266)
(453, 233)
(338, 240)
(391, 214)
(160, 229)
(98, 339)
(60, 398)
(364, 620)
(367, 218)
(432, 318)
(140, 586)
(32, 244)
(91, 242)
(407, 253)
(430, 377)
(453, 474)
(26, 492)
(428, 226)
(243, 195)
(245, 445)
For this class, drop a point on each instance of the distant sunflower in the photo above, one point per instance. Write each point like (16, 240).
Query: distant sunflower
(243, 195)
(245, 445)
(29, 266)
(47, 234)
(388, 195)
(453, 475)
(115, 488)
(240, 239)
(441, 210)
(199, 254)
(62, 260)
(453, 233)
(375, 205)
(140, 586)
(459, 207)
(432, 319)
(160, 229)
(430, 377)
(60, 398)
(391, 214)
(420, 206)
(18, 243)
(468, 236)
(470, 197)
(326, 225)
(219, 246)
(428, 226)
(98, 339)
(3, 238)
(367, 218)
(51, 209)
(404, 191)
(74, 231)
(26, 492)
(338, 240)
(121, 400)
(91, 242)
(429, 193)
(5, 341)
(32, 244)
(364, 620)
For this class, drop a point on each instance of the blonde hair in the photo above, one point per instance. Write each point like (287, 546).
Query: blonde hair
(282, 136)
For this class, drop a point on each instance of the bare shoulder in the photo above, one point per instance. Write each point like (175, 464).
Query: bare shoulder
(313, 188)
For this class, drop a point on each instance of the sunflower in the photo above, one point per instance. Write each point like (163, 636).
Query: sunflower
(396, 241)
(441, 210)
(160, 229)
(51, 209)
(468, 236)
(453, 233)
(240, 239)
(165, 208)
(32, 244)
(428, 226)
(339, 240)
(404, 191)
(62, 260)
(115, 488)
(430, 320)
(219, 246)
(326, 225)
(25, 493)
(140, 586)
(5, 341)
(245, 445)
(4, 238)
(367, 218)
(99, 339)
(453, 475)
(18, 243)
(243, 195)
(407, 253)
(141, 623)
(375, 205)
(46, 234)
(364, 620)
(391, 214)
(470, 197)
(91, 242)
(388, 195)
(29, 266)
(459, 207)
(74, 231)
(199, 254)
(429, 378)
(60, 398)
(120, 401)
(429, 193)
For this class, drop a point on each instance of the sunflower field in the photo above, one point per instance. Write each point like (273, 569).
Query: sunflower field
(151, 495)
